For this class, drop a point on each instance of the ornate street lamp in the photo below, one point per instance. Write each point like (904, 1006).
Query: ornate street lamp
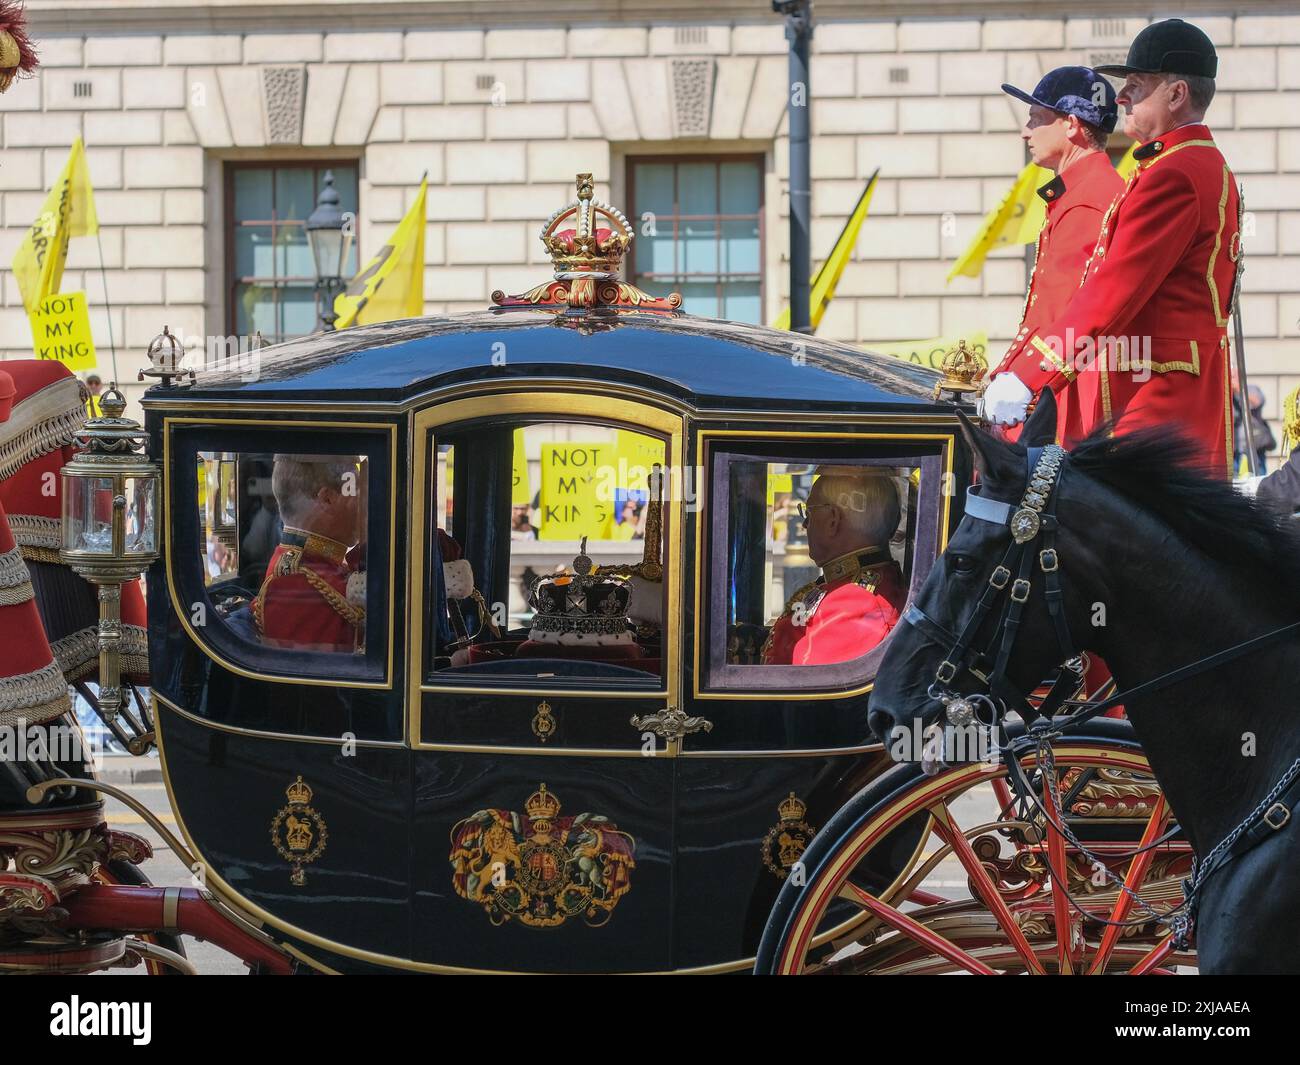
(109, 526)
(330, 236)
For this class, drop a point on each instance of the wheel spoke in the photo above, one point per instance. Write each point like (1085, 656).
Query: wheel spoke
(984, 887)
(1060, 881)
(1153, 957)
(1137, 872)
(900, 922)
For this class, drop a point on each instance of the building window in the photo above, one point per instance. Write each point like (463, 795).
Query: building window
(699, 231)
(271, 280)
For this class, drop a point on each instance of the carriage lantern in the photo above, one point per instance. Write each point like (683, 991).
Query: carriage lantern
(109, 525)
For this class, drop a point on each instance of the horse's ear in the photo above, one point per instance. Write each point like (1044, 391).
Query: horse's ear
(993, 459)
(1040, 429)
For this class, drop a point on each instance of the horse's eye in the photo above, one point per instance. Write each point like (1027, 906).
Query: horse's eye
(964, 563)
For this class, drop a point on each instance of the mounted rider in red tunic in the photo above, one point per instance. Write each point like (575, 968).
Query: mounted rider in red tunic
(1143, 342)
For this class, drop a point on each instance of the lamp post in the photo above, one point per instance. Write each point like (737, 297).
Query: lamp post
(329, 233)
(109, 526)
(799, 31)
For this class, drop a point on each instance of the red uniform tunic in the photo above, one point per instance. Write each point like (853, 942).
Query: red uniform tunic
(303, 602)
(840, 616)
(1076, 200)
(1161, 275)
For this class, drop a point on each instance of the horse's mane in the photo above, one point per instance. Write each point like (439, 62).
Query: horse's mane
(1157, 472)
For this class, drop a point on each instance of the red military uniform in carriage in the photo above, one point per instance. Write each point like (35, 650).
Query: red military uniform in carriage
(313, 597)
(1162, 275)
(841, 615)
(1076, 200)
(48, 411)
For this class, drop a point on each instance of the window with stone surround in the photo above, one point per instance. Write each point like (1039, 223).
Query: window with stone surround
(270, 278)
(699, 231)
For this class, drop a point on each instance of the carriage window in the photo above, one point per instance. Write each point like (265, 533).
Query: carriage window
(283, 536)
(550, 545)
(812, 559)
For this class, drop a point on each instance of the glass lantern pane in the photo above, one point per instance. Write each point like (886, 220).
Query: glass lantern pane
(139, 538)
(88, 515)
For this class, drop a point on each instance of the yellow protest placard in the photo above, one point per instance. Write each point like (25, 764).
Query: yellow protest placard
(61, 331)
(576, 500)
(521, 492)
(931, 352)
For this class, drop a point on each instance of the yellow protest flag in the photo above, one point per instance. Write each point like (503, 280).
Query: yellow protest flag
(1016, 220)
(69, 211)
(392, 284)
(1127, 163)
(828, 276)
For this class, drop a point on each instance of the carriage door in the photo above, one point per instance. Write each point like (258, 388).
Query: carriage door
(782, 673)
(546, 580)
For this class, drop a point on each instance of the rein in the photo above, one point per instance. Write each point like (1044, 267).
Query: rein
(1034, 521)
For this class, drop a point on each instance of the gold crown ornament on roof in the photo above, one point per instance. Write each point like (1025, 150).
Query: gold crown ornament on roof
(587, 240)
(962, 369)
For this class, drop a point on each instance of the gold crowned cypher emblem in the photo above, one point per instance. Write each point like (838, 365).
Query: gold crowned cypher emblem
(786, 841)
(298, 832)
(541, 868)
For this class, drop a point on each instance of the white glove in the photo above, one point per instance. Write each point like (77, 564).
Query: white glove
(1006, 399)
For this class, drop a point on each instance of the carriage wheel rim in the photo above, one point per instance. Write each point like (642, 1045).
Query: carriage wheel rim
(801, 934)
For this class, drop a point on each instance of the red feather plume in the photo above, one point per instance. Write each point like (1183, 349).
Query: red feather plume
(13, 21)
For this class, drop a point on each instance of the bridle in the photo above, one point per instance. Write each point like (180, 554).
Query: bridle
(1033, 524)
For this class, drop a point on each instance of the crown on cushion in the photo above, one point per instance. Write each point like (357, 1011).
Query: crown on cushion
(580, 602)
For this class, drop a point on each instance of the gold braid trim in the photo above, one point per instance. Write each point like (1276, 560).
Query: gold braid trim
(40, 554)
(352, 613)
(33, 698)
(78, 653)
(35, 530)
(43, 422)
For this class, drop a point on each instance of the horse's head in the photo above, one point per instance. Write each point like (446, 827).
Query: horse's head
(982, 562)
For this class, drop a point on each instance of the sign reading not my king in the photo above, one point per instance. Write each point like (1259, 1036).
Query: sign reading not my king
(61, 331)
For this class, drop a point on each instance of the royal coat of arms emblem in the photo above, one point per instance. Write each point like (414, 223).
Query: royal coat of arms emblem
(298, 832)
(786, 841)
(541, 868)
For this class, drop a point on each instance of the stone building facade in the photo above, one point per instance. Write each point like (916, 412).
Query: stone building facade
(502, 110)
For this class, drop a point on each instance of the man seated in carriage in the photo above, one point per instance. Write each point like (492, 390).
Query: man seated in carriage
(313, 595)
(851, 514)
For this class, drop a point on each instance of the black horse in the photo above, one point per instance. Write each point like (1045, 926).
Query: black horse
(1159, 566)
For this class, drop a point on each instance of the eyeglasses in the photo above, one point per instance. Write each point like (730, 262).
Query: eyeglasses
(803, 509)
